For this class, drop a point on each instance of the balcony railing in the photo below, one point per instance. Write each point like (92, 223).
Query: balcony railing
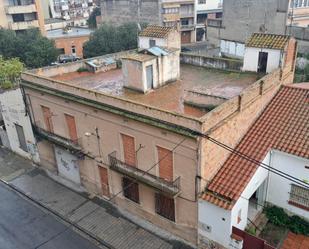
(187, 27)
(24, 25)
(73, 145)
(20, 9)
(170, 188)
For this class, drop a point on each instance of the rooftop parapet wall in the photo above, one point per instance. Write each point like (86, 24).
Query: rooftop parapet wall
(246, 98)
(52, 71)
(137, 111)
(211, 62)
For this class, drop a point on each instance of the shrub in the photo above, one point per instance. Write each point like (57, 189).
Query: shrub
(82, 69)
(279, 217)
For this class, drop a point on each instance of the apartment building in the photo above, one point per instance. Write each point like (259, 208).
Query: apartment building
(20, 15)
(169, 13)
(298, 13)
(128, 129)
(74, 12)
(206, 10)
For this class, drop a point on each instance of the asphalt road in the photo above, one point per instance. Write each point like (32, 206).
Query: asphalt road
(23, 225)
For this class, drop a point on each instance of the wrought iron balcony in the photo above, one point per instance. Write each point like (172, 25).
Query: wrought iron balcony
(170, 188)
(72, 145)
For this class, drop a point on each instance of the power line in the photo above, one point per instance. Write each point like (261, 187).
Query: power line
(252, 160)
(147, 171)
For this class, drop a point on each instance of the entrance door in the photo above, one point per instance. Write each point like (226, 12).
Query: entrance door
(149, 76)
(67, 165)
(185, 37)
(262, 66)
(21, 137)
(104, 181)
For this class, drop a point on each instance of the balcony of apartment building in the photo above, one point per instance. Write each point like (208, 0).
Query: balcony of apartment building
(187, 11)
(171, 188)
(20, 7)
(73, 145)
(187, 24)
(24, 21)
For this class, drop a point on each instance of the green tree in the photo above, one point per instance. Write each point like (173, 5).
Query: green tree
(31, 47)
(92, 20)
(110, 39)
(10, 70)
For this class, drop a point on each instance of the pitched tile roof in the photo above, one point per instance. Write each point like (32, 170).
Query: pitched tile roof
(283, 125)
(271, 41)
(155, 31)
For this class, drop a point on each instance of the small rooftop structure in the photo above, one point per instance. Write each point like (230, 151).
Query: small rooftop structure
(265, 53)
(283, 126)
(153, 66)
(159, 36)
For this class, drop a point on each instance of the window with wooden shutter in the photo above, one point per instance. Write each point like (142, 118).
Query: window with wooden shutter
(47, 115)
(104, 181)
(70, 120)
(165, 157)
(299, 197)
(129, 150)
(165, 206)
(130, 189)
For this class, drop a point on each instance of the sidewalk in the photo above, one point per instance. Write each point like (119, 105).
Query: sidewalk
(98, 217)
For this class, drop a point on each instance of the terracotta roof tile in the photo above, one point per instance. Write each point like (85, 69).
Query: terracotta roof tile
(271, 41)
(155, 31)
(283, 125)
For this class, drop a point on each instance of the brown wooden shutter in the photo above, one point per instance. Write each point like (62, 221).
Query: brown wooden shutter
(70, 120)
(47, 115)
(104, 181)
(165, 157)
(129, 150)
(130, 189)
(165, 206)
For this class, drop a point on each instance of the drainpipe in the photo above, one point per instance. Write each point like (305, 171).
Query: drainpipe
(268, 179)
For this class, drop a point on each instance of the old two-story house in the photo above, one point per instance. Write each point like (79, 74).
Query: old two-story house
(129, 126)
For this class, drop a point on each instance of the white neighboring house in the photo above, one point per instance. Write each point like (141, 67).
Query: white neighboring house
(265, 52)
(240, 189)
(17, 124)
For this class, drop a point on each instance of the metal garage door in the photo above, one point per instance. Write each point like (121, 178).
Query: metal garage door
(67, 165)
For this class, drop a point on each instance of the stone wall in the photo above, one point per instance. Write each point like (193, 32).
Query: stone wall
(211, 62)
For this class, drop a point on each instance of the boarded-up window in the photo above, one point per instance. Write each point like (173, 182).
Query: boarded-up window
(165, 157)
(70, 120)
(165, 206)
(129, 150)
(21, 137)
(130, 189)
(47, 115)
(299, 197)
(104, 181)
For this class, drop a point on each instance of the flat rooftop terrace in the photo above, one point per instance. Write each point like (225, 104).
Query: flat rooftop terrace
(197, 80)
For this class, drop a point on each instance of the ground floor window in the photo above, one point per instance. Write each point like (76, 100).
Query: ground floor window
(299, 197)
(165, 206)
(130, 189)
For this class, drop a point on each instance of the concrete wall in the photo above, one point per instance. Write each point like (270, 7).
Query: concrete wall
(302, 36)
(14, 112)
(251, 59)
(123, 11)
(211, 62)
(232, 48)
(218, 221)
(294, 166)
(109, 127)
(242, 18)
